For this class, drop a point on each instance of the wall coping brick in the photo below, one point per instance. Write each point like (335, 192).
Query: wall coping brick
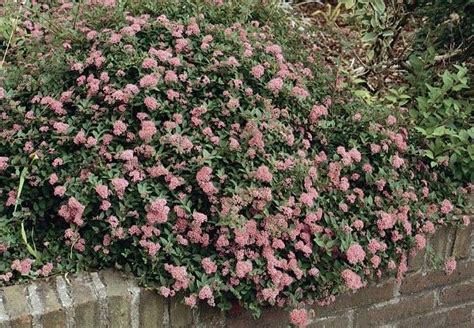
(109, 298)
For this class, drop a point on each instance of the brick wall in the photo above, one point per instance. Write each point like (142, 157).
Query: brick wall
(426, 298)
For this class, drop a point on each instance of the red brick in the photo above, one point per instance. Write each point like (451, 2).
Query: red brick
(180, 314)
(152, 309)
(405, 308)
(270, 318)
(460, 293)
(431, 320)
(54, 314)
(361, 298)
(439, 245)
(417, 282)
(461, 316)
(462, 243)
(208, 316)
(342, 321)
(16, 305)
(236, 310)
(415, 263)
(118, 298)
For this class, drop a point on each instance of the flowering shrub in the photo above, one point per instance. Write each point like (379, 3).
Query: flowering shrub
(214, 159)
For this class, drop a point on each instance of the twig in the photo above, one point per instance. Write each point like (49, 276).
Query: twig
(15, 25)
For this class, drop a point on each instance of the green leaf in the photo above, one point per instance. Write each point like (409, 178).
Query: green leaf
(348, 3)
(379, 6)
(439, 131)
(369, 37)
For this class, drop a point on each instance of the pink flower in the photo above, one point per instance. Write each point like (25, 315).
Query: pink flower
(465, 220)
(270, 294)
(420, 241)
(171, 76)
(147, 131)
(165, 291)
(208, 265)
(397, 162)
(446, 206)
(149, 63)
(357, 117)
(358, 225)
(180, 274)
(391, 120)
(72, 211)
(46, 269)
(429, 228)
(53, 179)
(3, 163)
(299, 92)
(115, 38)
(299, 317)
(102, 191)
(148, 81)
(242, 268)
(23, 267)
(233, 103)
(258, 71)
(150, 103)
(157, 212)
(203, 177)
(375, 261)
(355, 254)
(119, 185)
(343, 207)
(190, 301)
(367, 168)
(205, 293)
(119, 128)
(60, 127)
(352, 279)
(375, 149)
(316, 112)
(59, 191)
(275, 85)
(264, 174)
(450, 266)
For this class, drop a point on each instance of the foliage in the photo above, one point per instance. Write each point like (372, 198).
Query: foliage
(205, 151)
(444, 118)
(449, 24)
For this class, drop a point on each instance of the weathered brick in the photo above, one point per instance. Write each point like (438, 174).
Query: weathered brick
(459, 293)
(273, 317)
(405, 308)
(462, 243)
(152, 309)
(180, 314)
(341, 321)
(430, 320)
(270, 318)
(361, 298)
(86, 306)
(54, 315)
(439, 244)
(208, 317)
(461, 316)
(417, 282)
(118, 298)
(415, 263)
(16, 305)
(236, 310)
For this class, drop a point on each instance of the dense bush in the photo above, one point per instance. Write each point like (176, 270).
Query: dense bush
(443, 118)
(214, 158)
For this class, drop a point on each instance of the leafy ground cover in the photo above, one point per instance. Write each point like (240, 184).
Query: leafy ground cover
(212, 149)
